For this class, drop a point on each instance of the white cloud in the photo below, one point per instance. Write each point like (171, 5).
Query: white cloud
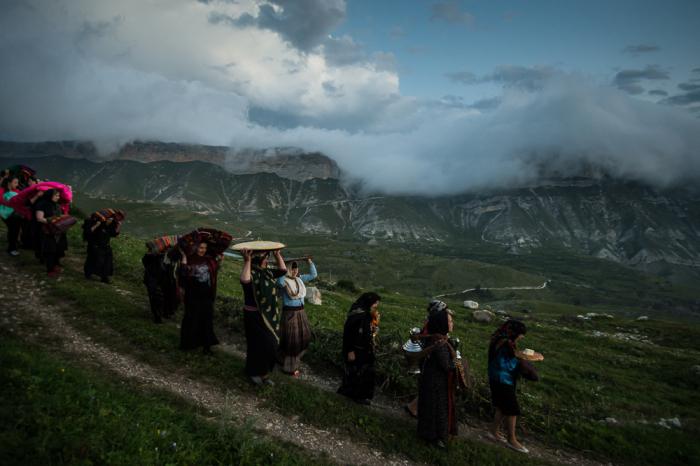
(116, 71)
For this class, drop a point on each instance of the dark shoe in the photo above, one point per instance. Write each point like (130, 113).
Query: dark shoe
(88, 277)
(105, 280)
(363, 401)
(207, 351)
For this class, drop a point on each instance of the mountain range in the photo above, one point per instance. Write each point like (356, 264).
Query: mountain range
(622, 221)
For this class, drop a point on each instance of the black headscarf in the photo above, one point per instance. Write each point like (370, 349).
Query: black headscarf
(506, 334)
(365, 302)
(438, 322)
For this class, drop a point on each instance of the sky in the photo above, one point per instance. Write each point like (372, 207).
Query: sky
(408, 96)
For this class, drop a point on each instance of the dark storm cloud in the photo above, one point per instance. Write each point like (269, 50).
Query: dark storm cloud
(521, 77)
(630, 80)
(658, 92)
(450, 12)
(689, 98)
(688, 87)
(303, 23)
(640, 48)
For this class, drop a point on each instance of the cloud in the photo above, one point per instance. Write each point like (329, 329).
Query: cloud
(343, 50)
(303, 23)
(245, 86)
(659, 92)
(640, 49)
(689, 86)
(630, 80)
(688, 98)
(451, 12)
(523, 77)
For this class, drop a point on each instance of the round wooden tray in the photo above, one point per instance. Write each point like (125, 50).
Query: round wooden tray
(258, 246)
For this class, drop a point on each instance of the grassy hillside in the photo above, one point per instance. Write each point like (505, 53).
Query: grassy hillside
(637, 372)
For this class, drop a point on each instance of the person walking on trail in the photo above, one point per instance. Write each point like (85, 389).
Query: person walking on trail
(261, 314)
(505, 366)
(198, 277)
(295, 331)
(100, 259)
(13, 221)
(53, 245)
(437, 414)
(359, 348)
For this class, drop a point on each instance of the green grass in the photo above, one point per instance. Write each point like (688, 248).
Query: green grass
(585, 379)
(55, 412)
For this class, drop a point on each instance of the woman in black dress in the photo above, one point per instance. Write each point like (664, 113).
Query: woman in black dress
(261, 314)
(198, 278)
(52, 246)
(436, 402)
(359, 344)
(99, 260)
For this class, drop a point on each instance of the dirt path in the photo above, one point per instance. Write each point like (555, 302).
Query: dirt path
(33, 318)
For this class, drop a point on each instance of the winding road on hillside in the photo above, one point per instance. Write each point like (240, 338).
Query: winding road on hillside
(540, 287)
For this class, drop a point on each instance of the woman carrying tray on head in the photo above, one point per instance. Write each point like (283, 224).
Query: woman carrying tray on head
(52, 245)
(98, 232)
(295, 331)
(261, 314)
(198, 275)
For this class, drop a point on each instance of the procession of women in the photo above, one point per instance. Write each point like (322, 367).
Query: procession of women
(184, 270)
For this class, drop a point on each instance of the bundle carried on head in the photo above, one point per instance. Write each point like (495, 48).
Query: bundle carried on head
(217, 241)
(104, 214)
(20, 202)
(59, 224)
(161, 244)
(23, 173)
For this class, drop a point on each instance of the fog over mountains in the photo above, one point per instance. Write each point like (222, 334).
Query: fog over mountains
(627, 222)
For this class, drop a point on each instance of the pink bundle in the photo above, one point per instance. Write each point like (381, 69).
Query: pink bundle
(20, 202)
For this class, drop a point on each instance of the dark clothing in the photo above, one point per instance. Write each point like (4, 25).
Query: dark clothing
(295, 336)
(27, 234)
(261, 339)
(359, 377)
(52, 245)
(261, 345)
(504, 398)
(169, 287)
(198, 279)
(99, 260)
(13, 223)
(152, 278)
(437, 418)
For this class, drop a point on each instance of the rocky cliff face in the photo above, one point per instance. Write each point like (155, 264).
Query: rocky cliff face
(624, 222)
(288, 163)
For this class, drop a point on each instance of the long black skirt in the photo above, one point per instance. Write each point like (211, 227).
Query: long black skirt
(261, 345)
(197, 328)
(359, 377)
(99, 261)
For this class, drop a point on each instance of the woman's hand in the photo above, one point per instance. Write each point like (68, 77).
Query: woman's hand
(247, 255)
(351, 356)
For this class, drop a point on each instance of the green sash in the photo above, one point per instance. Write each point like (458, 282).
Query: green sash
(265, 287)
